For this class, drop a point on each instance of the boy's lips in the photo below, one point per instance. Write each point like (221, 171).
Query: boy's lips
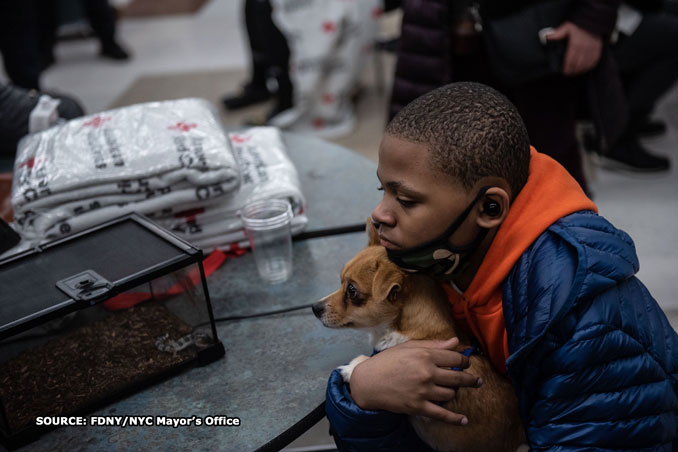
(387, 243)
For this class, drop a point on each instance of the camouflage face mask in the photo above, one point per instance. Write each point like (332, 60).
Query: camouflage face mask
(437, 257)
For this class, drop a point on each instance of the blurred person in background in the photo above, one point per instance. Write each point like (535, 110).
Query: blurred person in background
(432, 54)
(19, 42)
(16, 106)
(101, 18)
(644, 47)
(269, 63)
(28, 34)
(308, 56)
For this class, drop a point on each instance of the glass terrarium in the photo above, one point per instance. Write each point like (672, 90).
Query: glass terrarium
(86, 319)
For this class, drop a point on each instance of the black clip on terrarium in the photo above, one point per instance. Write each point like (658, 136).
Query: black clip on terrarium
(88, 318)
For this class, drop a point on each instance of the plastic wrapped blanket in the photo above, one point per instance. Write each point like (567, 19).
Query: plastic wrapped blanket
(145, 158)
(266, 173)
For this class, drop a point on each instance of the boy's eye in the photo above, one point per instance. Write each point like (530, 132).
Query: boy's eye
(351, 292)
(406, 203)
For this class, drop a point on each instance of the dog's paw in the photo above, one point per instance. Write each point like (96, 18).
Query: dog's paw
(347, 370)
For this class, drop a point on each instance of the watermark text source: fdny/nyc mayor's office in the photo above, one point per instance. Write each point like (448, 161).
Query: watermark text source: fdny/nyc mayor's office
(139, 421)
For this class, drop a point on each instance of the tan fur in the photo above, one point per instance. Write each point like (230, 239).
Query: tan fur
(413, 305)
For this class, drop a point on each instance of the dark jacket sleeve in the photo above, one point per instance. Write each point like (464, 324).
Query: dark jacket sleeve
(593, 359)
(15, 107)
(358, 430)
(596, 16)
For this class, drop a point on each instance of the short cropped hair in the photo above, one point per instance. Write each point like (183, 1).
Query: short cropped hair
(471, 130)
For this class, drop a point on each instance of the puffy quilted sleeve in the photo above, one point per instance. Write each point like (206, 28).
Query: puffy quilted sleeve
(593, 358)
(358, 430)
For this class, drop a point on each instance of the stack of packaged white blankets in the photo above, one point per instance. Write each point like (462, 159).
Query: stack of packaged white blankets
(171, 161)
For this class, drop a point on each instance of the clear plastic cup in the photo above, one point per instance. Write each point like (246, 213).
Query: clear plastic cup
(267, 225)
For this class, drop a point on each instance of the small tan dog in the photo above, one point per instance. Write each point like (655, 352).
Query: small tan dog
(398, 306)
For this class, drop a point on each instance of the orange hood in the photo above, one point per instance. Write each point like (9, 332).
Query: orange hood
(549, 194)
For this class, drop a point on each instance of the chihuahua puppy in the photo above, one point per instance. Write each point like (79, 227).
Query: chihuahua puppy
(397, 306)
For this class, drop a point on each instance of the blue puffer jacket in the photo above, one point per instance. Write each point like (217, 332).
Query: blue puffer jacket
(593, 359)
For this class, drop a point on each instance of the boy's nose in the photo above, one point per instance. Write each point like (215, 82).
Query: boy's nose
(382, 216)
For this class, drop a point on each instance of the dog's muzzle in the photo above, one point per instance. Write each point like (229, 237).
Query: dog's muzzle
(318, 308)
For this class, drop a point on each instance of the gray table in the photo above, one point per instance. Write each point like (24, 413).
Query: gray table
(275, 371)
(340, 186)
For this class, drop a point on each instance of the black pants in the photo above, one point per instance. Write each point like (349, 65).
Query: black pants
(19, 36)
(270, 52)
(549, 110)
(99, 14)
(648, 62)
(27, 29)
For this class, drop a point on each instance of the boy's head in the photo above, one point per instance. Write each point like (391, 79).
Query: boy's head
(471, 131)
(436, 155)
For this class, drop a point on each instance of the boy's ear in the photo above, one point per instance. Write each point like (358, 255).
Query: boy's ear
(372, 234)
(387, 283)
(494, 208)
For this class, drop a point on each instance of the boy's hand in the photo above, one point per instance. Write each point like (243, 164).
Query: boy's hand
(409, 378)
(583, 48)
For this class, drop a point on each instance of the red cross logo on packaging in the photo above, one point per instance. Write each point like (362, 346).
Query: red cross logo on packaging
(329, 26)
(29, 163)
(183, 126)
(328, 98)
(377, 12)
(239, 138)
(318, 123)
(97, 121)
(190, 215)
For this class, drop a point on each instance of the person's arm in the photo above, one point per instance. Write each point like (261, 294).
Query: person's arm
(601, 390)
(358, 430)
(406, 379)
(591, 356)
(590, 23)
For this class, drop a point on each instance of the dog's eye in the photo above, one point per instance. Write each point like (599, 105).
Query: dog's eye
(351, 291)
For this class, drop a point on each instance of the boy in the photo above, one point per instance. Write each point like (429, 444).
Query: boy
(546, 286)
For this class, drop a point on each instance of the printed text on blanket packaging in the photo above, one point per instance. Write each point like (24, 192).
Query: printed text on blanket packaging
(137, 186)
(252, 166)
(97, 150)
(204, 192)
(193, 156)
(33, 181)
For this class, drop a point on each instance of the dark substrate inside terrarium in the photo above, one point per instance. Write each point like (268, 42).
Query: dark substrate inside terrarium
(90, 364)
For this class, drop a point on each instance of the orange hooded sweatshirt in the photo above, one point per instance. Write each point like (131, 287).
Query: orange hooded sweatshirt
(549, 194)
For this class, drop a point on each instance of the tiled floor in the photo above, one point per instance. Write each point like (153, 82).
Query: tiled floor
(171, 50)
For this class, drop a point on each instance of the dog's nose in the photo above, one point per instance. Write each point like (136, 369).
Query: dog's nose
(318, 308)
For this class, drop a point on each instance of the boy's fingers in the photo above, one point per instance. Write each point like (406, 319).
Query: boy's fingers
(434, 411)
(558, 34)
(449, 344)
(456, 379)
(447, 359)
(442, 394)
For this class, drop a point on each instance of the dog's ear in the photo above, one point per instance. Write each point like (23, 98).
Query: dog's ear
(387, 282)
(372, 234)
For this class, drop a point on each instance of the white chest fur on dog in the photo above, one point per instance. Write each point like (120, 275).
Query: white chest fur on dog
(381, 338)
(396, 306)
